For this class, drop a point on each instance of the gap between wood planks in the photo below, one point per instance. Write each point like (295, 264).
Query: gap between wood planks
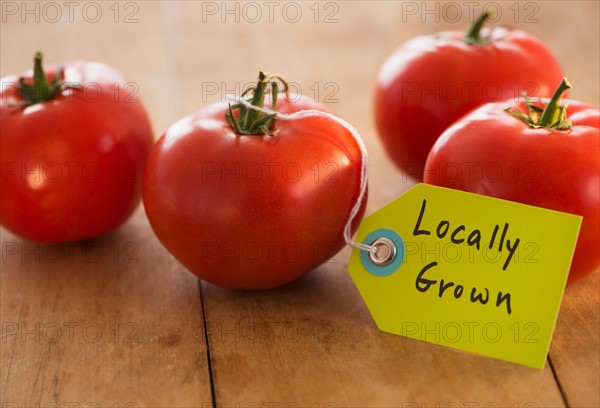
(215, 404)
(554, 374)
(207, 343)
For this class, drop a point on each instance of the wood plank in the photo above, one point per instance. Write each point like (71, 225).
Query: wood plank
(575, 351)
(116, 321)
(313, 343)
(111, 321)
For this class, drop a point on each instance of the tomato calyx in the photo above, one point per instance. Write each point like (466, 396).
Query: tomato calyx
(552, 117)
(39, 90)
(473, 36)
(254, 122)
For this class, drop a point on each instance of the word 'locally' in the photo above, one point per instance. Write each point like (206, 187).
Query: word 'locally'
(457, 236)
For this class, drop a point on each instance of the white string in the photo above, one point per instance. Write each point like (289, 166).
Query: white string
(311, 113)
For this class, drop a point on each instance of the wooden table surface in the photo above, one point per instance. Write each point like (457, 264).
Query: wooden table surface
(118, 322)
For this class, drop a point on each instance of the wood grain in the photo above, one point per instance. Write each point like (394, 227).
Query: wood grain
(116, 320)
(575, 351)
(313, 343)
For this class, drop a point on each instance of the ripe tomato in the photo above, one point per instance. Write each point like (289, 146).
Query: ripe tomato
(259, 206)
(72, 156)
(522, 157)
(431, 81)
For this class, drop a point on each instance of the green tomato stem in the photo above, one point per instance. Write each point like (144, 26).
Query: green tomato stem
(553, 111)
(38, 89)
(473, 36)
(551, 117)
(251, 121)
(40, 85)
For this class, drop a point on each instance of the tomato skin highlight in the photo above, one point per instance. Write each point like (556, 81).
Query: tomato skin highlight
(72, 166)
(431, 81)
(558, 170)
(252, 212)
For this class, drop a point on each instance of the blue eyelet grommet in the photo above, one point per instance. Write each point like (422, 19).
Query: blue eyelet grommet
(390, 253)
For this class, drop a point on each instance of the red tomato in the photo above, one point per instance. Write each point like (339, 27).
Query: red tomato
(252, 211)
(431, 81)
(494, 153)
(72, 162)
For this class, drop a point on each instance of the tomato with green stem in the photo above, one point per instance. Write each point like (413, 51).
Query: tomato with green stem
(433, 80)
(74, 141)
(540, 153)
(250, 200)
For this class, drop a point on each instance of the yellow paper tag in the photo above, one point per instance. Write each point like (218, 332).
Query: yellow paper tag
(470, 272)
